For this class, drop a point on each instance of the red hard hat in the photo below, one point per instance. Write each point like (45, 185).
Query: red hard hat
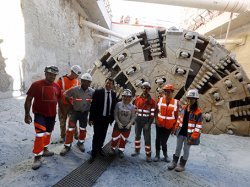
(168, 87)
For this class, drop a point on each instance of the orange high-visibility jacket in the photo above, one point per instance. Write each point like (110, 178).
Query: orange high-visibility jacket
(167, 112)
(65, 84)
(194, 122)
(145, 107)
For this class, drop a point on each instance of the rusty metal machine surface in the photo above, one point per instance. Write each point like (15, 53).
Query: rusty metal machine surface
(187, 60)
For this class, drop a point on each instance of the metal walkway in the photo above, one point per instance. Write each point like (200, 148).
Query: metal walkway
(87, 174)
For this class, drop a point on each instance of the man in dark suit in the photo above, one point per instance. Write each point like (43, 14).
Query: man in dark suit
(101, 115)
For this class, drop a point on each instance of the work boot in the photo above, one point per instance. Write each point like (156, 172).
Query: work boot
(148, 159)
(65, 150)
(47, 153)
(136, 153)
(157, 156)
(102, 153)
(62, 140)
(181, 166)
(37, 163)
(121, 154)
(174, 162)
(112, 152)
(166, 158)
(80, 146)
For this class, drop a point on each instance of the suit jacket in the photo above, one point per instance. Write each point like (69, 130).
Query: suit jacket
(97, 105)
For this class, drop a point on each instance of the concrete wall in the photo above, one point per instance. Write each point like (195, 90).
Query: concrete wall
(242, 54)
(37, 33)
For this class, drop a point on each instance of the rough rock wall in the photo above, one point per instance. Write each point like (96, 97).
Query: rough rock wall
(51, 36)
(5, 79)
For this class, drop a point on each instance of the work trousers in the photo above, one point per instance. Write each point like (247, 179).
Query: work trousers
(63, 119)
(119, 137)
(43, 128)
(182, 140)
(142, 124)
(75, 116)
(162, 135)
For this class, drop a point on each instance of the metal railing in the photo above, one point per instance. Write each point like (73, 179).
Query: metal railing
(201, 18)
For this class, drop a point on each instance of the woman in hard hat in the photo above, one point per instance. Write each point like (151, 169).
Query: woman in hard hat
(124, 115)
(188, 130)
(166, 117)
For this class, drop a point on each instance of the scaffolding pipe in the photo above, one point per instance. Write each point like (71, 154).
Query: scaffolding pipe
(237, 6)
(99, 28)
(232, 41)
(104, 37)
(228, 26)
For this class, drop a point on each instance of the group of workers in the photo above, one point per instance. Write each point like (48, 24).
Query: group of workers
(79, 102)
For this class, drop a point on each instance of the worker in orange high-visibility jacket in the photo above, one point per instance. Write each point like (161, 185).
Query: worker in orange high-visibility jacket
(45, 95)
(166, 117)
(66, 82)
(187, 129)
(145, 110)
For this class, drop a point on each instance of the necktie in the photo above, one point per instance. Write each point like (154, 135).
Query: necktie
(108, 104)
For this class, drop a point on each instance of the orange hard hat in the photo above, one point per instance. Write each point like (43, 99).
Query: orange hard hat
(168, 87)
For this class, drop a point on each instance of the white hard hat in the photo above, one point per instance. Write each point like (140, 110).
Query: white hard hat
(146, 84)
(193, 94)
(86, 76)
(127, 92)
(76, 69)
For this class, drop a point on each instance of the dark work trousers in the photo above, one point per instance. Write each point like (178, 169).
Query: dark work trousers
(162, 135)
(100, 131)
(142, 124)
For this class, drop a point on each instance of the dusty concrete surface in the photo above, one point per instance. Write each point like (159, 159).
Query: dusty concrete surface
(219, 161)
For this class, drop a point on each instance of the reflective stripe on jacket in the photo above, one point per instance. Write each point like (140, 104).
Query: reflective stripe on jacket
(81, 99)
(194, 122)
(145, 107)
(167, 113)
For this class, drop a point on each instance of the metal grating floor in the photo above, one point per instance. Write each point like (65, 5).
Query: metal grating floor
(87, 174)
